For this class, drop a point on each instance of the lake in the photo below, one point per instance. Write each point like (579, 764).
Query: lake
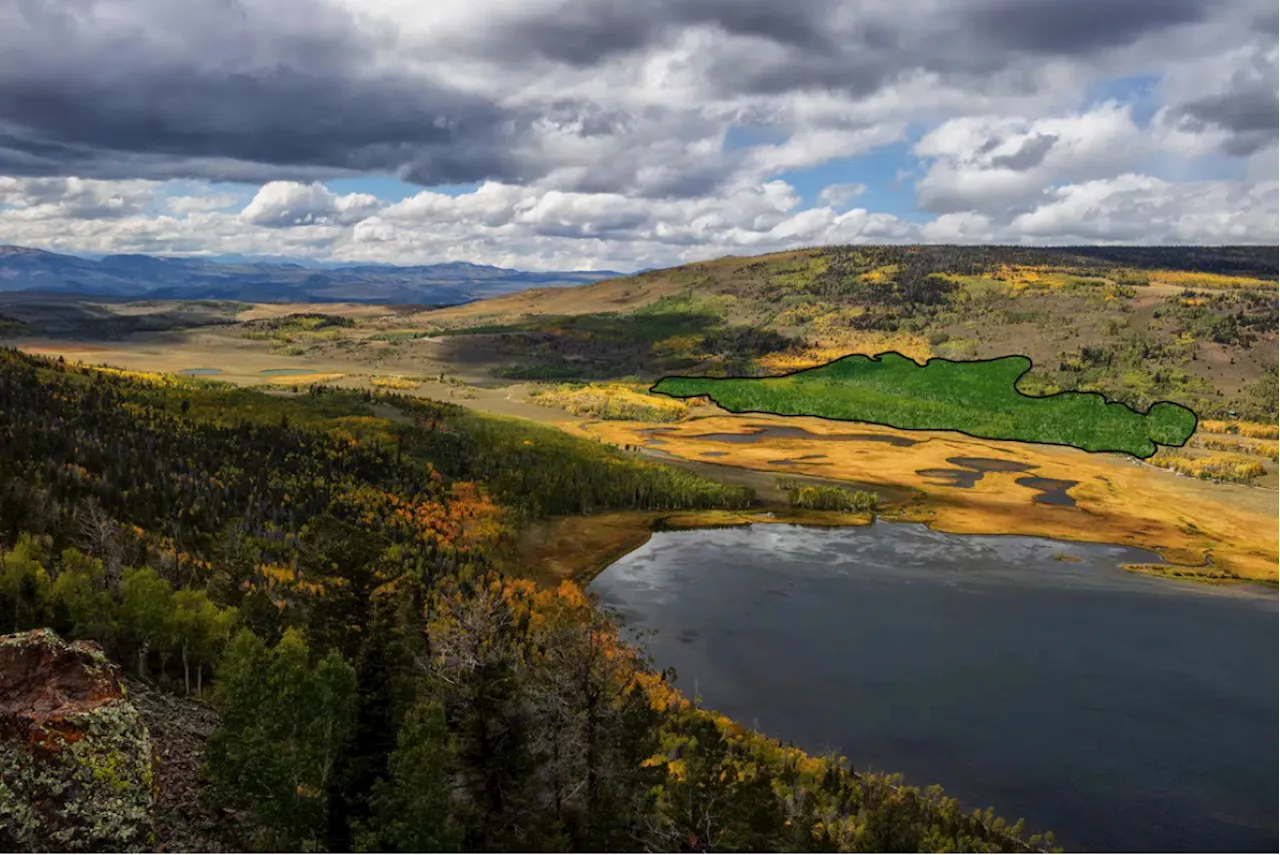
(1119, 711)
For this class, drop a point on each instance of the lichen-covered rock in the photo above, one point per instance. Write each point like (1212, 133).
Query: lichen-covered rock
(75, 758)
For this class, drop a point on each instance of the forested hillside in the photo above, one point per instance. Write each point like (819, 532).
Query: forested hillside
(1194, 325)
(334, 569)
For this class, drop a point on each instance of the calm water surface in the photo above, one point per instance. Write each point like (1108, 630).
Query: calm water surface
(1119, 711)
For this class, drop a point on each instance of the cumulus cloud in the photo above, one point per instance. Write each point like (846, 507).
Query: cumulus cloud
(1136, 208)
(74, 198)
(990, 164)
(1128, 208)
(288, 203)
(210, 202)
(540, 229)
(840, 195)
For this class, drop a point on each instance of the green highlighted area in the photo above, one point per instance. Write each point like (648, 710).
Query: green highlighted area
(979, 398)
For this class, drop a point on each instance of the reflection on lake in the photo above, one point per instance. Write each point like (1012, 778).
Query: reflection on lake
(1120, 711)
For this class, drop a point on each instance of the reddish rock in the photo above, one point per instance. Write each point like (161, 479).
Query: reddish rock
(75, 758)
(42, 679)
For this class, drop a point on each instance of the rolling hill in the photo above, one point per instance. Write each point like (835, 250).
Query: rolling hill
(1195, 325)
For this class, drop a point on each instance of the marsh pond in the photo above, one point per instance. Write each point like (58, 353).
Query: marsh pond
(1120, 711)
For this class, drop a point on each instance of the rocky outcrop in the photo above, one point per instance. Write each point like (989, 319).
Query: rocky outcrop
(76, 764)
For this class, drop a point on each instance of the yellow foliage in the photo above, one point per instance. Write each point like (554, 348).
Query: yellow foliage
(1244, 446)
(880, 274)
(1021, 277)
(396, 382)
(300, 379)
(1190, 279)
(366, 428)
(676, 345)
(835, 323)
(152, 377)
(612, 401)
(1235, 469)
(1254, 430)
(78, 471)
(868, 342)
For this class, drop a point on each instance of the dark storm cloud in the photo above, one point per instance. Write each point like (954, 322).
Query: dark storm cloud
(1267, 21)
(1242, 111)
(1071, 27)
(1250, 112)
(230, 102)
(853, 71)
(964, 39)
(1029, 155)
(255, 90)
(1247, 106)
(586, 33)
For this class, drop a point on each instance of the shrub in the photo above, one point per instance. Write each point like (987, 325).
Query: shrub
(822, 498)
(1236, 470)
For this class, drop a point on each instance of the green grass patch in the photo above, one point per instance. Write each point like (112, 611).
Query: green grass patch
(397, 336)
(979, 398)
(689, 303)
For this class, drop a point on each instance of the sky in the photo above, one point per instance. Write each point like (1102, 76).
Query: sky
(627, 134)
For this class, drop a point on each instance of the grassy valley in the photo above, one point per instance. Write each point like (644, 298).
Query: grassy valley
(978, 398)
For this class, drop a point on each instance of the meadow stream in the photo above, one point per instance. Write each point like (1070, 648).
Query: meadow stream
(1120, 711)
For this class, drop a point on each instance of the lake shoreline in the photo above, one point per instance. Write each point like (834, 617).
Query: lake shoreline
(580, 548)
(965, 663)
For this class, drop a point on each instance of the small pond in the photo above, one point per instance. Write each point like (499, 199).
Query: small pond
(200, 372)
(287, 371)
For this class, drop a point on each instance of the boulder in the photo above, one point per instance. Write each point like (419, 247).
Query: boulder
(76, 763)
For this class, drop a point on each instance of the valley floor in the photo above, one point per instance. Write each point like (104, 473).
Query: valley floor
(1214, 531)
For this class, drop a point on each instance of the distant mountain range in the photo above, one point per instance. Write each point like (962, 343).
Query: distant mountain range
(170, 278)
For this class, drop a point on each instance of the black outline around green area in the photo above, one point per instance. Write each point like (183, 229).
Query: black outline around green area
(876, 358)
